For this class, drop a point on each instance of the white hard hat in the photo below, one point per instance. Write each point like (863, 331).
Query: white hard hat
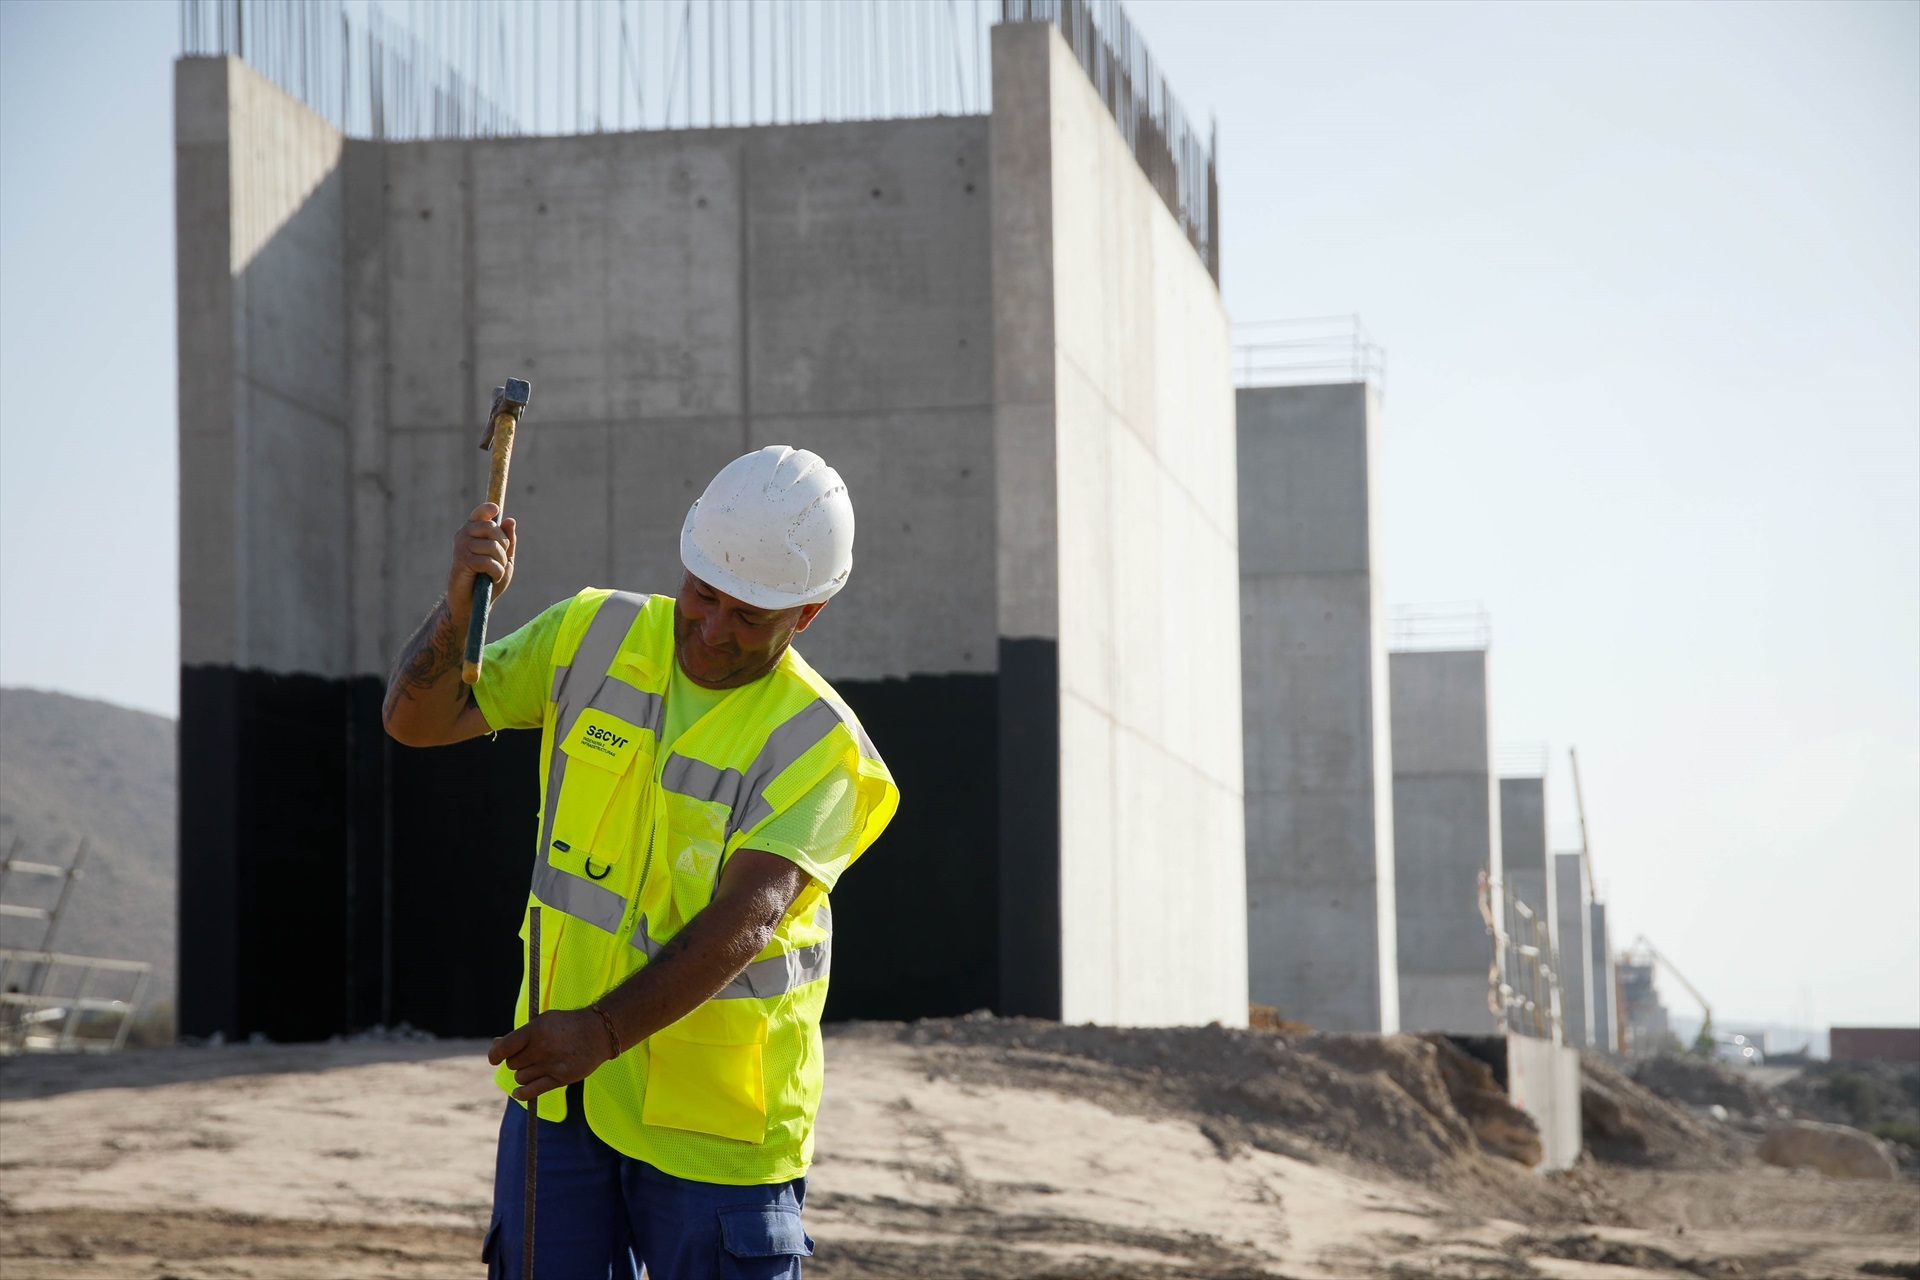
(775, 529)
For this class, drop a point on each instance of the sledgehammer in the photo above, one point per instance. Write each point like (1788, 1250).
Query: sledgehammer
(508, 402)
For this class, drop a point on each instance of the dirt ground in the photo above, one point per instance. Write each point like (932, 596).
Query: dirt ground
(948, 1149)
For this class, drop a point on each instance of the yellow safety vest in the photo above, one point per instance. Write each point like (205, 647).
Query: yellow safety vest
(632, 840)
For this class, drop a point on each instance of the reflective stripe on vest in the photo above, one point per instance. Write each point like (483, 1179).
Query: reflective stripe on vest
(576, 895)
(745, 794)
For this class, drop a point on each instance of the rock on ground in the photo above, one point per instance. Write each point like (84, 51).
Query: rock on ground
(1833, 1149)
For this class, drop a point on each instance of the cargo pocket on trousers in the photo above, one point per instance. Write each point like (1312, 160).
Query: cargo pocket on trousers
(490, 1252)
(762, 1242)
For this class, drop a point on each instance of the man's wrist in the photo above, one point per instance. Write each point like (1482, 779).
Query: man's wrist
(613, 1036)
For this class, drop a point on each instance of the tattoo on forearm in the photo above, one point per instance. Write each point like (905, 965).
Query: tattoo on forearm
(672, 946)
(428, 658)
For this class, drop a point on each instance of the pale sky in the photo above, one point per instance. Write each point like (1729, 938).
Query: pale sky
(1649, 281)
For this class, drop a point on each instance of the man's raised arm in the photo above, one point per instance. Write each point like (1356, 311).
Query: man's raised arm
(427, 704)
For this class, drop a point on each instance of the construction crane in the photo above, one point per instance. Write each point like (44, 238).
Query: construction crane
(1580, 807)
(1705, 1039)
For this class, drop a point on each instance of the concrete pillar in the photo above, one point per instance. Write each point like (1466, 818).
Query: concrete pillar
(1606, 1004)
(1446, 834)
(1122, 892)
(1026, 512)
(263, 472)
(1523, 841)
(1571, 916)
(1320, 863)
(1528, 873)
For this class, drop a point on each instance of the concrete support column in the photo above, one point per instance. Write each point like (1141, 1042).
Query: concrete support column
(1122, 856)
(1319, 787)
(1524, 864)
(1523, 842)
(1606, 1004)
(1446, 824)
(1571, 930)
(1026, 508)
(264, 554)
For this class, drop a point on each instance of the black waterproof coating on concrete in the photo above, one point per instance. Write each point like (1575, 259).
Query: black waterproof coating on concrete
(1029, 828)
(263, 902)
(332, 880)
(464, 822)
(209, 897)
(916, 920)
(358, 882)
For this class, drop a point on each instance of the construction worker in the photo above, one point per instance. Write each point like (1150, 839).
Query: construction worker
(702, 789)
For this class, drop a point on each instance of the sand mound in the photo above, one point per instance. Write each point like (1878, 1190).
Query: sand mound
(1625, 1123)
(1694, 1083)
(1413, 1107)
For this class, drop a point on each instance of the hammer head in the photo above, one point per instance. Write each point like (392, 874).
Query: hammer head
(511, 398)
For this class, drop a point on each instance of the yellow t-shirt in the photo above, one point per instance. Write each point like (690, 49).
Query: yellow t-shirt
(816, 833)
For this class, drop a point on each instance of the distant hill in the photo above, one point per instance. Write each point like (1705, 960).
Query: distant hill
(73, 767)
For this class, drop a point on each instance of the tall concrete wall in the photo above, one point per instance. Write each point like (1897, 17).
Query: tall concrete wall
(1114, 432)
(1606, 1002)
(677, 298)
(1446, 834)
(1570, 940)
(1320, 864)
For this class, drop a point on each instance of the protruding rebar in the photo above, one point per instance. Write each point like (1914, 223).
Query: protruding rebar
(483, 69)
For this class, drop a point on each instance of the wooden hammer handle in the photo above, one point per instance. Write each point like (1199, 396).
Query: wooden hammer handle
(503, 425)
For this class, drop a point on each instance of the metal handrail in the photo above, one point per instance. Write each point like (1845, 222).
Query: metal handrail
(1413, 628)
(1180, 165)
(1308, 350)
(1521, 759)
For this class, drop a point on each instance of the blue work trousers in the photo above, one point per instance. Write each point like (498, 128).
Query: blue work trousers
(601, 1215)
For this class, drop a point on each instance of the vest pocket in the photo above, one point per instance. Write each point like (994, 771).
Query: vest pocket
(705, 1074)
(695, 843)
(586, 825)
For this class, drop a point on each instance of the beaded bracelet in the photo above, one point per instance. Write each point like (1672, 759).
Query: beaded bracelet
(613, 1037)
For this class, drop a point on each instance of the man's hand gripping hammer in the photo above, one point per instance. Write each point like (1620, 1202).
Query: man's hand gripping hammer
(508, 402)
